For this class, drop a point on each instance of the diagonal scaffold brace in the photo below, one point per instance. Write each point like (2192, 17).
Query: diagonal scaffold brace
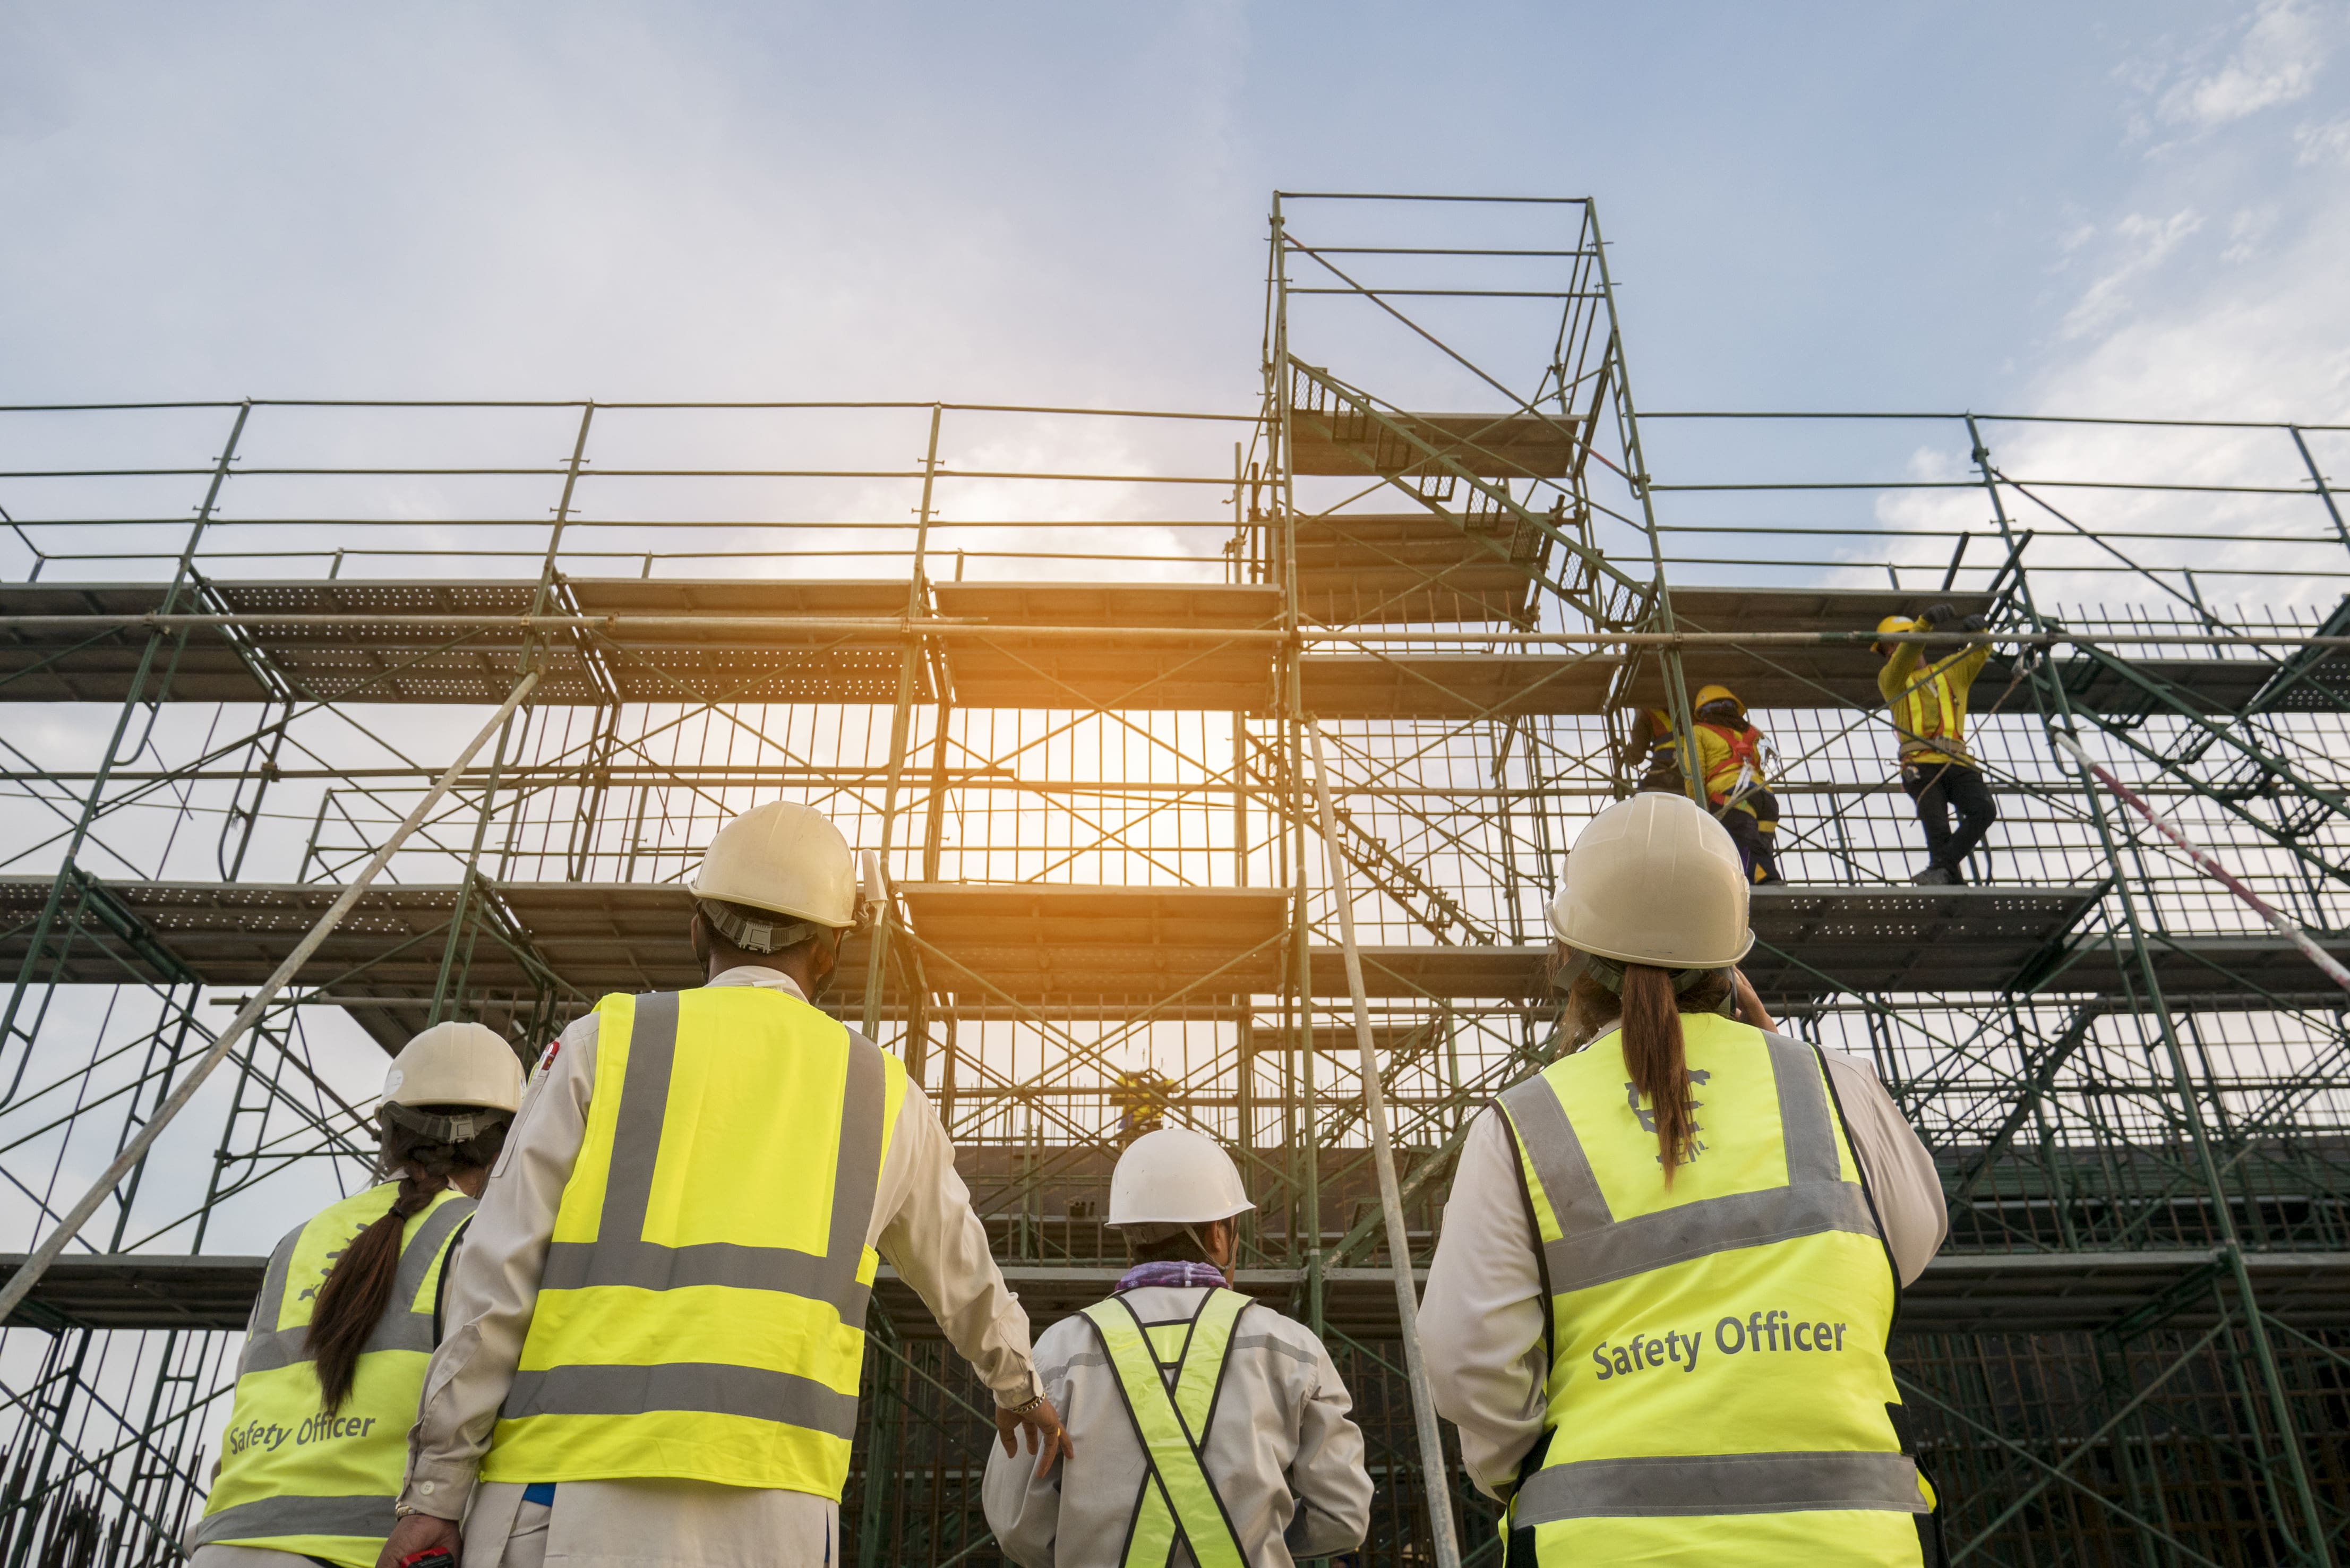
(1375, 1117)
(29, 1274)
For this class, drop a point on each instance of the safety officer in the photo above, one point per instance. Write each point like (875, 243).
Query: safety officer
(1928, 702)
(1659, 1308)
(1731, 754)
(1210, 1429)
(658, 1325)
(349, 1311)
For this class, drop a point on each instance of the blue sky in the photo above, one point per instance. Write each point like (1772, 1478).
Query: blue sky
(2111, 209)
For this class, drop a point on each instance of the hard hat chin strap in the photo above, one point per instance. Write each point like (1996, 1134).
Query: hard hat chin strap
(443, 1129)
(1608, 975)
(754, 936)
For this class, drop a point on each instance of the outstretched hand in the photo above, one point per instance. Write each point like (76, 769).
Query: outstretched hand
(1041, 1424)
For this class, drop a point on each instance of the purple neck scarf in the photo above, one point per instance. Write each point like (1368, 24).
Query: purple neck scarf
(1177, 1272)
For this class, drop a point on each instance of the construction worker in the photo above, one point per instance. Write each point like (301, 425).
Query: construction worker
(1928, 708)
(1659, 1308)
(657, 1326)
(349, 1311)
(1731, 758)
(1210, 1429)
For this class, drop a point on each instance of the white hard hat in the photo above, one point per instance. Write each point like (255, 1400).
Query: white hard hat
(1175, 1177)
(786, 857)
(1655, 880)
(456, 1065)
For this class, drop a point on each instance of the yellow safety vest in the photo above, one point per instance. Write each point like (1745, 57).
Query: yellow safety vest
(700, 1315)
(294, 1477)
(1719, 1390)
(1179, 1499)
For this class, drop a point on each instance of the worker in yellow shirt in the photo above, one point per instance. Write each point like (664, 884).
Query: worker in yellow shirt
(1729, 754)
(1928, 702)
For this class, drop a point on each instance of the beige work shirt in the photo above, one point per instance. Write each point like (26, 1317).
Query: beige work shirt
(1284, 1452)
(1481, 1323)
(923, 1223)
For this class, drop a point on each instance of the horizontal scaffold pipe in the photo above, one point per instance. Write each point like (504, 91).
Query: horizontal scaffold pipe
(978, 627)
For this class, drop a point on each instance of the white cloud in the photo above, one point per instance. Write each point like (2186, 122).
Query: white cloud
(2146, 243)
(2277, 62)
(2326, 143)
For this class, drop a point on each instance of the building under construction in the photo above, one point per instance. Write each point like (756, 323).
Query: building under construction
(1061, 670)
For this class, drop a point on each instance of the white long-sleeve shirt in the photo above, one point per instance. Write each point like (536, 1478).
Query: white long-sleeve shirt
(923, 1223)
(1480, 1323)
(1286, 1456)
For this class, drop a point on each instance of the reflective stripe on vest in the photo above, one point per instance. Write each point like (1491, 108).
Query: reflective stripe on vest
(1177, 1497)
(295, 1478)
(701, 1312)
(1937, 680)
(1744, 1309)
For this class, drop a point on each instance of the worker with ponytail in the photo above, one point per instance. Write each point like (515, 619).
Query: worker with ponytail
(349, 1314)
(1670, 1260)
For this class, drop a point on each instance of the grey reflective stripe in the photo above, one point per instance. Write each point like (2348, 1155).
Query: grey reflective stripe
(1804, 1114)
(1720, 1483)
(398, 1329)
(1594, 1249)
(621, 1255)
(709, 1388)
(1556, 1154)
(1689, 1230)
(276, 1518)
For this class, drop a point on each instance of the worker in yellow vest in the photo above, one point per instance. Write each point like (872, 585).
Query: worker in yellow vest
(348, 1313)
(1927, 703)
(1210, 1429)
(1658, 1307)
(1732, 759)
(658, 1325)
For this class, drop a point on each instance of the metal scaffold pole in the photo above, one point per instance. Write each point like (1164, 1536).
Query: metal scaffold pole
(1433, 1473)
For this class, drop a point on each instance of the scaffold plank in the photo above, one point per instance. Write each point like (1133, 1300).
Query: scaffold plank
(1371, 570)
(1045, 942)
(1815, 941)
(1960, 1293)
(1491, 446)
(1453, 685)
(1010, 670)
(49, 664)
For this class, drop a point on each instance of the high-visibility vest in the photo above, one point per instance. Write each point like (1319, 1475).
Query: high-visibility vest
(1920, 723)
(1719, 1390)
(700, 1315)
(1743, 755)
(294, 1477)
(1179, 1498)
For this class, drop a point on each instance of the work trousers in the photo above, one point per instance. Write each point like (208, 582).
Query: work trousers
(1757, 846)
(1939, 788)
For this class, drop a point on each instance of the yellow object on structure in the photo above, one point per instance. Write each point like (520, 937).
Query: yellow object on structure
(1706, 694)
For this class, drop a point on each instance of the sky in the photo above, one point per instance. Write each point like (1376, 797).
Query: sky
(2108, 209)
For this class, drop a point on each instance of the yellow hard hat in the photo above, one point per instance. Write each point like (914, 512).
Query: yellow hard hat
(1706, 694)
(1893, 623)
(1653, 880)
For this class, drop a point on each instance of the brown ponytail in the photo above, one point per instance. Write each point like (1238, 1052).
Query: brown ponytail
(1653, 1056)
(357, 1288)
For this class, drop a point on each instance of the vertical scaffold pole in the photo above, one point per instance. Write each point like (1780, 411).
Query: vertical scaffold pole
(900, 723)
(1375, 1117)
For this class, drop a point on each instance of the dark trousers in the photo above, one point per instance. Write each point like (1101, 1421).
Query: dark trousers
(1939, 788)
(1757, 845)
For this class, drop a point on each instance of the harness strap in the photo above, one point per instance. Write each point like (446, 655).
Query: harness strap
(1177, 1498)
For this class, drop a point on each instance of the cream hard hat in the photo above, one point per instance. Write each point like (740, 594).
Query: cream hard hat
(453, 1064)
(1175, 1177)
(1655, 880)
(783, 857)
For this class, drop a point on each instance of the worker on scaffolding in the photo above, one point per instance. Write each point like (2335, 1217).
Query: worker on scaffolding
(349, 1311)
(1201, 1416)
(1733, 758)
(657, 1328)
(1663, 1338)
(1928, 702)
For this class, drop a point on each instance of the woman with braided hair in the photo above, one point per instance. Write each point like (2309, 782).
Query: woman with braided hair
(349, 1314)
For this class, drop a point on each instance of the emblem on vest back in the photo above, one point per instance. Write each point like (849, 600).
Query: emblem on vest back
(1648, 1117)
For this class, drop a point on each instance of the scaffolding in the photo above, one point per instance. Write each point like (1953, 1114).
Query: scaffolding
(1057, 667)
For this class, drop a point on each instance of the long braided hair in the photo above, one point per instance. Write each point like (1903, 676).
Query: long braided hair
(1646, 1006)
(358, 1287)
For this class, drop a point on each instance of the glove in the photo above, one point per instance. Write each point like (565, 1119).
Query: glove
(1939, 616)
